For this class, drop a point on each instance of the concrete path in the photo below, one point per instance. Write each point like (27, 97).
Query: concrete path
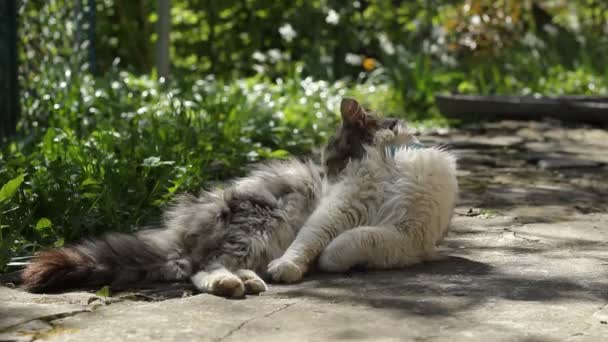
(528, 261)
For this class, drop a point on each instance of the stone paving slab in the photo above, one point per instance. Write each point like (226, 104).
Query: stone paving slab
(19, 307)
(526, 260)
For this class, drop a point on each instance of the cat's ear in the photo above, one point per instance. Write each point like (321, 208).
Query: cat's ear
(353, 113)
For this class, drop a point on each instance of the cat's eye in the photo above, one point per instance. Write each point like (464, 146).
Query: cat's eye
(223, 215)
(390, 123)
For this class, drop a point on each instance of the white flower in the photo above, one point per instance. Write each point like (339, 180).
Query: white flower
(448, 60)
(573, 22)
(438, 32)
(353, 59)
(259, 68)
(287, 32)
(581, 39)
(509, 22)
(468, 42)
(531, 40)
(386, 44)
(332, 17)
(325, 59)
(551, 30)
(274, 55)
(252, 155)
(258, 56)
(475, 20)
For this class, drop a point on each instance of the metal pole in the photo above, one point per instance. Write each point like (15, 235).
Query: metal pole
(91, 11)
(9, 92)
(164, 27)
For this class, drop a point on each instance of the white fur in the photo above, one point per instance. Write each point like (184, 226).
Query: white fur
(385, 213)
(220, 281)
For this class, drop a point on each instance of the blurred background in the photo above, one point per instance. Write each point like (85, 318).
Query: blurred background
(122, 104)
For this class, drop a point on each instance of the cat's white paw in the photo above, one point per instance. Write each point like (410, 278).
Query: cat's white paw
(253, 284)
(284, 271)
(227, 285)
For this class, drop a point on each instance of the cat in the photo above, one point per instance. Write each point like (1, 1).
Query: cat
(221, 240)
(389, 209)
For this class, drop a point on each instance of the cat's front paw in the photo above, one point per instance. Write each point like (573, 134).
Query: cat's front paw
(284, 271)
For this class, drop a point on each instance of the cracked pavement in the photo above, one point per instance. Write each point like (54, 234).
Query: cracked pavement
(527, 261)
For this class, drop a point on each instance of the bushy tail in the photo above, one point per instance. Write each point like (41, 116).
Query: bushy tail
(114, 259)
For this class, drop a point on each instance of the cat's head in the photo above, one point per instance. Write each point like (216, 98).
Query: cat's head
(357, 129)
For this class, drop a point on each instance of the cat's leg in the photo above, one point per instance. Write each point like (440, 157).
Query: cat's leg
(372, 247)
(219, 281)
(253, 283)
(334, 215)
(176, 269)
(309, 243)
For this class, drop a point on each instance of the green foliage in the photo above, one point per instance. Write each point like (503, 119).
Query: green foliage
(10, 188)
(104, 292)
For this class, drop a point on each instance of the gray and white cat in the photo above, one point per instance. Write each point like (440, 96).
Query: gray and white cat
(223, 239)
(390, 208)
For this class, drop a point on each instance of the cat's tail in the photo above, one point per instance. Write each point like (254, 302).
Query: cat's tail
(109, 260)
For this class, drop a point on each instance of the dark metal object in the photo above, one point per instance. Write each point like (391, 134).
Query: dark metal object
(574, 108)
(92, 18)
(163, 62)
(9, 88)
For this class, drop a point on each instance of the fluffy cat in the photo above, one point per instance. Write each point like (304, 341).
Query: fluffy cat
(222, 240)
(390, 208)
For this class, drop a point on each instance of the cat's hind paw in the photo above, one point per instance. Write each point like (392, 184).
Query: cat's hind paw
(254, 285)
(227, 285)
(328, 263)
(284, 271)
